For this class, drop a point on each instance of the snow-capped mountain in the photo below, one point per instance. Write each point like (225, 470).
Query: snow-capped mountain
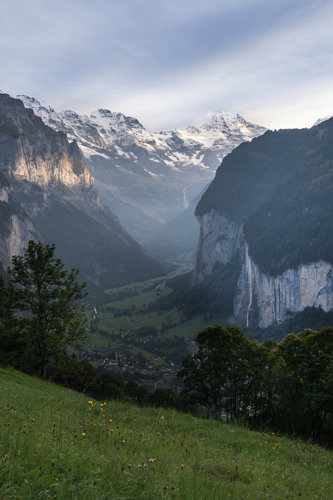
(148, 177)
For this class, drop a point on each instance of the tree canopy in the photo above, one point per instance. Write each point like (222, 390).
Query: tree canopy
(288, 385)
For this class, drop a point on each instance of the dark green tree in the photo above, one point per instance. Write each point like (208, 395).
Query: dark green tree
(45, 298)
(303, 377)
(220, 375)
(10, 347)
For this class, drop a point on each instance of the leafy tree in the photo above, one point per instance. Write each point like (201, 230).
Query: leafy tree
(220, 375)
(263, 383)
(303, 376)
(45, 299)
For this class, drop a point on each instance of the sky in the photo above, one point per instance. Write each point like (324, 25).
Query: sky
(171, 63)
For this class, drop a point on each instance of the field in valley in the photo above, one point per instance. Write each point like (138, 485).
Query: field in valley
(133, 336)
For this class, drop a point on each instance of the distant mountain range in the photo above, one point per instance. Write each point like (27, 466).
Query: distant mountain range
(48, 193)
(148, 178)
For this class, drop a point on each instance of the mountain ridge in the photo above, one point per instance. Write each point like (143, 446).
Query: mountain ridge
(48, 193)
(152, 174)
(271, 204)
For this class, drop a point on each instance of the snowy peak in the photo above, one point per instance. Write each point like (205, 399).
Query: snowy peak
(115, 127)
(44, 111)
(118, 121)
(31, 102)
(229, 123)
(221, 133)
(193, 151)
(114, 132)
(221, 120)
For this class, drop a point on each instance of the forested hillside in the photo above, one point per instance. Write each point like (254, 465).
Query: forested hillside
(280, 188)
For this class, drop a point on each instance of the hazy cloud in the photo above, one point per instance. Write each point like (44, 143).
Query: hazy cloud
(170, 62)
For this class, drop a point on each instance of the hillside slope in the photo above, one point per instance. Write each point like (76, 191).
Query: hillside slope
(56, 443)
(271, 202)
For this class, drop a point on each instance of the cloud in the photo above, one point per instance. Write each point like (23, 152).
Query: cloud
(169, 62)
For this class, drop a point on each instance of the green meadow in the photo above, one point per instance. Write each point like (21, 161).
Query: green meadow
(132, 307)
(59, 444)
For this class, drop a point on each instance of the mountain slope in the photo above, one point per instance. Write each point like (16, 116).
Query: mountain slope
(48, 193)
(271, 201)
(179, 237)
(154, 175)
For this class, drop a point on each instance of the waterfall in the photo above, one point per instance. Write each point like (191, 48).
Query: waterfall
(249, 273)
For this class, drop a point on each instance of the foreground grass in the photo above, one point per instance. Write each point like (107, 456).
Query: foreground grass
(56, 443)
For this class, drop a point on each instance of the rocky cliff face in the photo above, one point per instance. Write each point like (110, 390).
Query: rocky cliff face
(261, 299)
(34, 153)
(13, 242)
(219, 240)
(16, 228)
(48, 193)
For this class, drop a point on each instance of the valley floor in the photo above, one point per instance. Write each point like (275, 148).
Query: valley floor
(136, 339)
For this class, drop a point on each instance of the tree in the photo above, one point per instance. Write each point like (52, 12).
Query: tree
(219, 375)
(303, 377)
(45, 298)
(9, 334)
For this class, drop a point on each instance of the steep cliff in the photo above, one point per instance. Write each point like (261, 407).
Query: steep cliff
(32, 152)
(16, 228)
(48, 193)
(262, 299)
(271, 202)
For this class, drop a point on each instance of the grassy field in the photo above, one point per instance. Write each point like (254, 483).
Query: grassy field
(55, 443)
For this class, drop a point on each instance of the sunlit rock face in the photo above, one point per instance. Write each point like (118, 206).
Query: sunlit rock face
(32, 152)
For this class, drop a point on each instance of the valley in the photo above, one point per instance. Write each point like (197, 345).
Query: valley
(136, 337)
(148, 178)
(166, 250)
(251, 267)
